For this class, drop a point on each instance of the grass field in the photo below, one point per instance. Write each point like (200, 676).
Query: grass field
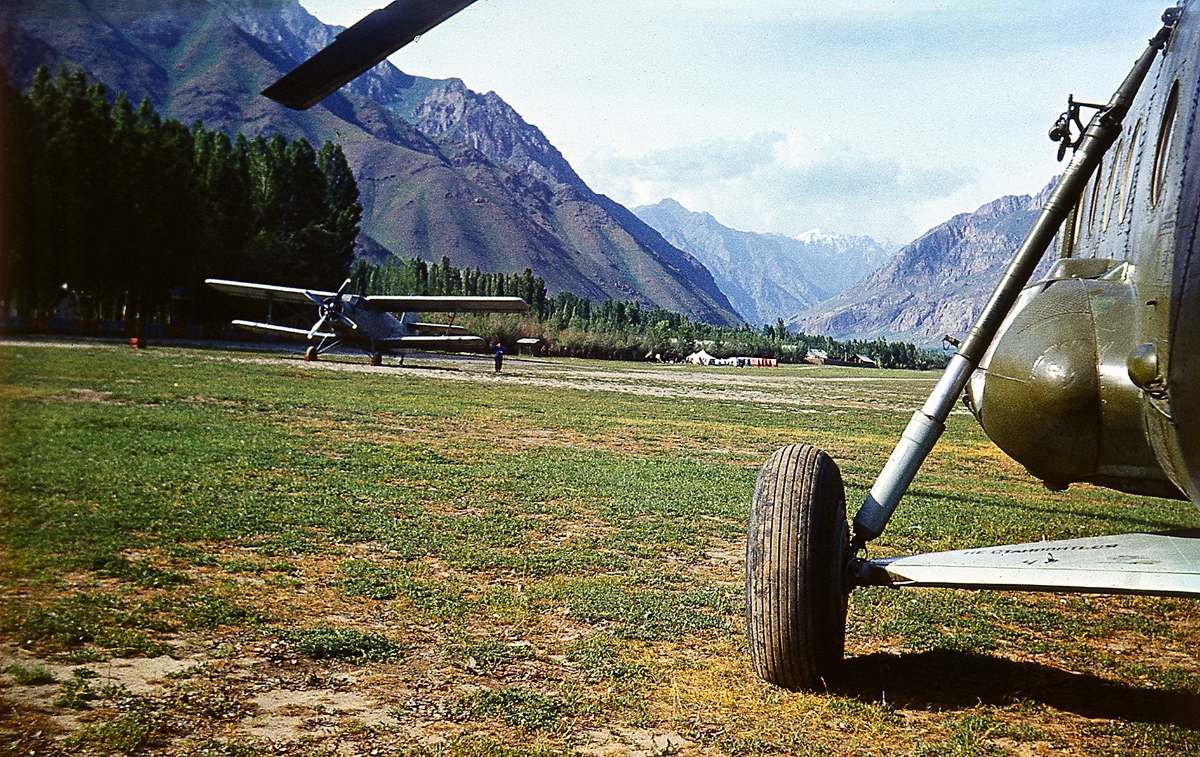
(221, 553)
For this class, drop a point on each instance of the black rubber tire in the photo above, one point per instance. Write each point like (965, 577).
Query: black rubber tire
(377, 358)
(796, 586)
(310, 353)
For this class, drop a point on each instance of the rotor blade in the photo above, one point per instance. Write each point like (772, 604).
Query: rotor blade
(1166, 564)
(342, 289)
(360, 47)
(318, 300)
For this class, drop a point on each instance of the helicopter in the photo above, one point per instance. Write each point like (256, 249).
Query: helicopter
(1088, 375)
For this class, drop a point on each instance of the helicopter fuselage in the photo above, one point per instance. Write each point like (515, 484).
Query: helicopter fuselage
(1095, 375)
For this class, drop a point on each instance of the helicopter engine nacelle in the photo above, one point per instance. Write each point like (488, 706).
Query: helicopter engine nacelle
(1054, 391)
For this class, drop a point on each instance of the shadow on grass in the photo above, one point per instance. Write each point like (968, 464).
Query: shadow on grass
(944, 679)
(408, 366)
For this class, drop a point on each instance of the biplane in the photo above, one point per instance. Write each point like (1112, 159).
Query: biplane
(369, 321)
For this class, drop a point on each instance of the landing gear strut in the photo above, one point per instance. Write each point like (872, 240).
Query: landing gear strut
(796, 559)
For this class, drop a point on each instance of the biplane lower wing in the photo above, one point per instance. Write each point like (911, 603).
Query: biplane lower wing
(432, 343)
(1150, 564)
(271, 328)
(436, 329)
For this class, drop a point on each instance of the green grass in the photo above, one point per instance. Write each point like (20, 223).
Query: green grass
(34, 675)
(77, 693)
(127, 734)
(325, 642)
(530, 559)
(515, 707)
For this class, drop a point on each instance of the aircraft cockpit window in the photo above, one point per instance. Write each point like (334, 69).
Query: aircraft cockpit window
(1164, 144)
(1108, 194)
(1127, 172)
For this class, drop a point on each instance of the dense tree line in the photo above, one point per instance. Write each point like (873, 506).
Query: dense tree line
(574, 326)
(117, 208)
(415, 276)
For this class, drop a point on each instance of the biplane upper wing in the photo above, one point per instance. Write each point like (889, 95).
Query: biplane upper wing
(427, 304)
(267, 291)
(356, 49)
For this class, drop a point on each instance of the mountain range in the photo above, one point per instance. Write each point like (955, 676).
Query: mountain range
(768, 277)
(936, 285)
(441, 170)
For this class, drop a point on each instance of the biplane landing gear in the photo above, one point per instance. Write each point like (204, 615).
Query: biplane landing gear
(796, 584)
(310, 354)
(376, 358)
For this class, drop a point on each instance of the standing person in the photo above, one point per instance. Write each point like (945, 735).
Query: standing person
(499, 350)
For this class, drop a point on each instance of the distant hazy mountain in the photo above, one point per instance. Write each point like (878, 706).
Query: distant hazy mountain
(453, 193)
(768, 276)
(935, 286)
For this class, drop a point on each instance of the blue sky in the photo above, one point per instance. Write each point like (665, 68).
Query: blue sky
(869, 117)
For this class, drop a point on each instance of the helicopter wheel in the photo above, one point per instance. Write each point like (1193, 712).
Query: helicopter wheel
(310, 354)
(796, 588)
(377, 358)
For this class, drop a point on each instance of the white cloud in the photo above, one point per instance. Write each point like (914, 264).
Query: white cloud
(782, 183)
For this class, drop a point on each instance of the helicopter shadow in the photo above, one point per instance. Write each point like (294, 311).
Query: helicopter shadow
(944, 679)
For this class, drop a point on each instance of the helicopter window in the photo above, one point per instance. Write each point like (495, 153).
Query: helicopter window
(1093, 197)
(1069, 242)
(1124, 202)
(1108, 194)
(1164, 144)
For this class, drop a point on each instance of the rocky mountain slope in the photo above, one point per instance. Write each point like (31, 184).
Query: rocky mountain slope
(452, 112)
(767, 276)
(424, 195)
(935, 286)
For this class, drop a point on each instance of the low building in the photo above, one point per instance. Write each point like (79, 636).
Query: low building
(529, 346)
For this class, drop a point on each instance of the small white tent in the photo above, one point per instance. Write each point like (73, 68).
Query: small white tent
(700, 358)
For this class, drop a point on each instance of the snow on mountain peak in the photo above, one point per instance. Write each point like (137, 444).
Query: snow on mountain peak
(817, 236)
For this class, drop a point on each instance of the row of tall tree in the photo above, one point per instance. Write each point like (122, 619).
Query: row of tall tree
(574, 326)
(118, 207)
(416, 276)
